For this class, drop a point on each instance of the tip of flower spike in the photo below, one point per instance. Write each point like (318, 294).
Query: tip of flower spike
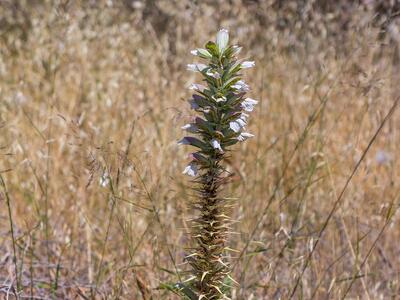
(222, 39)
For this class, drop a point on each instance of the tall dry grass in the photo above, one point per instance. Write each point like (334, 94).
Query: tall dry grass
(91, 105)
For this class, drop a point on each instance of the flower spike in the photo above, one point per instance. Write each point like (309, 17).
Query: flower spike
(221, 116)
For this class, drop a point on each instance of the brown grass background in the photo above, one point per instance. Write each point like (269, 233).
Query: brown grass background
(89, 88)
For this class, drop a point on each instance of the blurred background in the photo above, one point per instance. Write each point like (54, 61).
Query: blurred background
(92, 98)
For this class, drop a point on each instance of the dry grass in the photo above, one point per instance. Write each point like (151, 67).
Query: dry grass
(88, 90)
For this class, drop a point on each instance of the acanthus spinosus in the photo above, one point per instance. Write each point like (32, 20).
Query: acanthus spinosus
(222, 112)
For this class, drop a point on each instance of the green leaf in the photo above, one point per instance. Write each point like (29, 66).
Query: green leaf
(203, 53)
(201, 159)
(204, 125)
(229, 133)
(231, 81)
(231, 51)
(201, 101)
(235, 67)
(196, 142)
(229, 142)
(232, 115)
(212, 48)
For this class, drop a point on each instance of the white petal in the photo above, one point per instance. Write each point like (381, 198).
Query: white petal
(197, 87)
(244, 116)
(248, 104)
(247, 64)
(194, 52)
(250, 100)
(241, 86)
(191, 67)
(190, 170)
(241, 122)
(244, 136)
(215, 144)
(235, 126)
(222, 39)
(195, 67)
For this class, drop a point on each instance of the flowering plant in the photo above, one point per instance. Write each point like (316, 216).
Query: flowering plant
(222, 112)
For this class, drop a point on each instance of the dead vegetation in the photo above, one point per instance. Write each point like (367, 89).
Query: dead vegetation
(91, 105)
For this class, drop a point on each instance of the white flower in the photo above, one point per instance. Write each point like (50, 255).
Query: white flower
(247, 64)
(239, 123)
(244, 136)
(216, 145)
(190, 128)
(222, 39)
(241, 86)
(248, 104)
(191, 169)
(194, 52)
(197, 87)
(196, 67)
(242, 119)
(235, 126)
